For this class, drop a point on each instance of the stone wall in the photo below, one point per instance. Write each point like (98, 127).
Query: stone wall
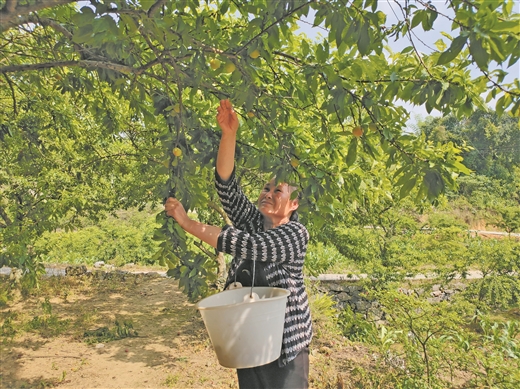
(351, 294)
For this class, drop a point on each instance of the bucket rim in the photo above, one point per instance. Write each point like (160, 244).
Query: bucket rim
(285, 294)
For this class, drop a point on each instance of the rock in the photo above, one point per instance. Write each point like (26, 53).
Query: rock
(459, 286)
(436, 293)
(375, 314)
(436, 288)
(419, 292)
(75, 270)
(354, 289)
(100, 345)
(99, 264)
(362, 306)
(342, 297)
(325, 350)
(434, 300)
(334, 287)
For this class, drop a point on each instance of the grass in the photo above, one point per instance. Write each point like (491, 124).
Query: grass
(339, 359)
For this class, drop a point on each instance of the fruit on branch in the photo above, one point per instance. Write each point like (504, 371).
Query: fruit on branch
(214, 63)
(357, 131)
(177, 152)
(229, 67)
(255, 54)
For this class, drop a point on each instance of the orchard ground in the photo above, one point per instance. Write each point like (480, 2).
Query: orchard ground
(46, 346)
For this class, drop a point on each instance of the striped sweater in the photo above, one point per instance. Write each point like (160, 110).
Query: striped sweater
(281, 249)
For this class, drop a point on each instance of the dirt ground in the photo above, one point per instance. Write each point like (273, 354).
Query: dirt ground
(42, 349)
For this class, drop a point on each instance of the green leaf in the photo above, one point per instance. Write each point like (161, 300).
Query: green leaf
(418, 18)
(322, 53)
(478, 52)
(224, 7)
(352, 152)
(364, 39)
(407, 187)
(434, 183)
(455, 48)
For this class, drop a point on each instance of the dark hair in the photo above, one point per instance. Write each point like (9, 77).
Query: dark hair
(294, 215)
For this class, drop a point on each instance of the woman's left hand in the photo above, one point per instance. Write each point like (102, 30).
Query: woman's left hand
(174, 208)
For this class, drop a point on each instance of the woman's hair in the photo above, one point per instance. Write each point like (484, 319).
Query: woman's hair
(294, 215)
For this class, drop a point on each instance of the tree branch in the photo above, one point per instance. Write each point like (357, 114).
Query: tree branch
(277, 21)
(155, 7)
(83, 64)
(15, 109)
(14, 15)
(220, 211)
(4, 216)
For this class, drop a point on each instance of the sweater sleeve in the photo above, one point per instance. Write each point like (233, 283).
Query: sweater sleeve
(240, 210)
(284, 244)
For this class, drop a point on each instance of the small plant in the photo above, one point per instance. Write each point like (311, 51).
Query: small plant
(354, 327)
(8, 330)
(171, 380)
(104, 334)
(47, 324)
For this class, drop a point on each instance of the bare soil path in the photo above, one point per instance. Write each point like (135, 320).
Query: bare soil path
(171, 349)
(44, 346)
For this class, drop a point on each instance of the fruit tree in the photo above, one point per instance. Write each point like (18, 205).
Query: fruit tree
(131, 84)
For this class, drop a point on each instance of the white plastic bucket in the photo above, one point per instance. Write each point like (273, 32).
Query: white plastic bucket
(245, 333)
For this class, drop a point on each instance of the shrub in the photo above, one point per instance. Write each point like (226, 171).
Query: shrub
(116, 240)
(320, 258)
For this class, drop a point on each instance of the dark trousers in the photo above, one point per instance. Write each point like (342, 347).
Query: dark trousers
(294, 375)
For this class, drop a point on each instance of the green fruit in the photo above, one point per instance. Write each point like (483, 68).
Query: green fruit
(214, 64)
(230, 67)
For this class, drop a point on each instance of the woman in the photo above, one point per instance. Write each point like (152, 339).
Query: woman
(270, 234)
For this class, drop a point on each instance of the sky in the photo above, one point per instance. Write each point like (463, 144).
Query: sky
(424, 42)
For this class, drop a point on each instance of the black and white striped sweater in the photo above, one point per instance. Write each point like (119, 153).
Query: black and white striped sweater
(281, 249)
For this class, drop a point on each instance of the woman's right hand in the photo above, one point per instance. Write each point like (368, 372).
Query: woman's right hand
(227, 118)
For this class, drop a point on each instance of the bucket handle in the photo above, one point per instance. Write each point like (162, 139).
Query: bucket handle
(252, 281)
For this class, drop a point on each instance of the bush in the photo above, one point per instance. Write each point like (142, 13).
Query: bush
(321, 258)
(117, 241)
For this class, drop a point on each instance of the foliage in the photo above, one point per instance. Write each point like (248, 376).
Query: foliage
(117, 241)
(499, 262)
(494, 140)
(47, 324)
(323, 312)
(510, 219)
(321, 258)
(355, 327)
(497, 357)
(120, 330)
(94, 100)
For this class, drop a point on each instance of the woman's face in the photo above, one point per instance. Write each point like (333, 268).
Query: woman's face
(275, 200)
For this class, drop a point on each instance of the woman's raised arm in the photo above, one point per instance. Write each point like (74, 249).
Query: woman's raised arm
(228, 122)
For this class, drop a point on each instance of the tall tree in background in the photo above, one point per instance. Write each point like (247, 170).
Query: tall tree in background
(319, 113)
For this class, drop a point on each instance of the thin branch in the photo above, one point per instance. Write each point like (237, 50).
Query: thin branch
(83, 64)
(220, 211)
(204, 249)
(277, 21)
(15, 109)
(496, 85)
(14, 15)
(4, 216)
(155, 7)
(416, 51)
